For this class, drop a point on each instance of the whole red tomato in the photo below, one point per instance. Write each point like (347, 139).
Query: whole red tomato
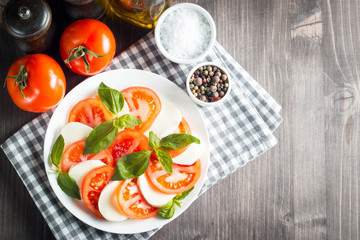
(36, 83)
(87, 46)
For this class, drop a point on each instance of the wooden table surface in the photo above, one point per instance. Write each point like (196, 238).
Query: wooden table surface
(306, 54)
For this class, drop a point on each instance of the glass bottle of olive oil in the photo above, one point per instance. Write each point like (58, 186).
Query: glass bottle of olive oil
(143, 13)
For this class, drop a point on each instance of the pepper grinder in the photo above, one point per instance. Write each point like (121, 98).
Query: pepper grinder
(29, 22)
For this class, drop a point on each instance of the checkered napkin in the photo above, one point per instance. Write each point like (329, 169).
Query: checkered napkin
(239, 131)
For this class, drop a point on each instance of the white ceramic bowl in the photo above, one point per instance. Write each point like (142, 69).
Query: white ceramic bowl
(163, 18)
(198, 101)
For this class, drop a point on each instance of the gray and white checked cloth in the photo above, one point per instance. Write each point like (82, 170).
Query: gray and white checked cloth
(239, 131)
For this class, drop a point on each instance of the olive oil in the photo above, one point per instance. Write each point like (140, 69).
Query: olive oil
(142, 13)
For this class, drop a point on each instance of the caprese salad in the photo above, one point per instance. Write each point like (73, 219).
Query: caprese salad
(127, 154)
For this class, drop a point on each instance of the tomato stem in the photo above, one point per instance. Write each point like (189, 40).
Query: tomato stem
(80, 52)
(20, 80)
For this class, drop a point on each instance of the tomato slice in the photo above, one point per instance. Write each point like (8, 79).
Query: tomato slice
(73, 154)
(182, 128)
(126, 142)
(90, 111)
(92, 185)
(183, 177)
(132, 203)
(144, 104)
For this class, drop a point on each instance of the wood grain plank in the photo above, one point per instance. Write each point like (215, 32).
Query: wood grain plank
(341, 80)
(306, 118)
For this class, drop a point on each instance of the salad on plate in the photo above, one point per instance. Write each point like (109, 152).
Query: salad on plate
(128, 154)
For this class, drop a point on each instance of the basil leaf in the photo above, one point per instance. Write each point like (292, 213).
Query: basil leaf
(182, 195)
(118, 123)
(126, 121)
(100, 138)
(167, 211)
(165, 160)
(57, 151)
(68, 185)
(132, 165)
(111, 98)
(154, 142)
(177, 141)
(177, 203)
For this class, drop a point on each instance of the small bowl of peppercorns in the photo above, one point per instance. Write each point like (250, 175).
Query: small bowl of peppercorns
(208, 84)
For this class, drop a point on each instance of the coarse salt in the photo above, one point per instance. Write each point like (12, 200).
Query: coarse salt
(185, 33)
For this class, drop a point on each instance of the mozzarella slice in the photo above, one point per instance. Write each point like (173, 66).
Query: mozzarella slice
(168, 119)
(152, 196)
(78, 171)
(190, 155)
(108, 205)
(75, 131)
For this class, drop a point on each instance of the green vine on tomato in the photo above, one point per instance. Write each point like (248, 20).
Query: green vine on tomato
(80, 52)
(20, 80)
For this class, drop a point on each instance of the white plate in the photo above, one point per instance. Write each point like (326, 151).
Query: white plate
(121, 79)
